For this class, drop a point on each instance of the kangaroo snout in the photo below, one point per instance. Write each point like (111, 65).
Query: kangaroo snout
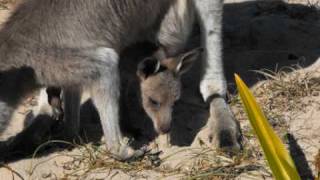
(164, 128)
(162, 122)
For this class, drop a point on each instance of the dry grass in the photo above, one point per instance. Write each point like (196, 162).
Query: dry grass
(204, 163)
(281, 95)
(286, 90)
(210, 164)
(90, 159)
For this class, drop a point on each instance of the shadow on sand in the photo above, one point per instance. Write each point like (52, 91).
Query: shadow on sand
(257, 35)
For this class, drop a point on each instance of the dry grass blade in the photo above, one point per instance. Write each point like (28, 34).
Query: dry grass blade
(12, 171)
(32, 166)
(207, 163)
(224, 172)
(92, 159)
(283, 92)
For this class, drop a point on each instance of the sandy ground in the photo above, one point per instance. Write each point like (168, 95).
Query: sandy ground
(257, 35)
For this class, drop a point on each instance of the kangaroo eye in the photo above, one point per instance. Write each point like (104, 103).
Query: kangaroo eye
(154, 103)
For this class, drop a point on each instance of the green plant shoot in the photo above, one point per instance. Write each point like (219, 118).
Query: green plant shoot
(279, 160)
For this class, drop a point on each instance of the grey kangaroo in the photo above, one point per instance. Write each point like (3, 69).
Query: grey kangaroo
(75, 45)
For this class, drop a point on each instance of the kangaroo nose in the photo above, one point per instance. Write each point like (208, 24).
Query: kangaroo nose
(164, 129)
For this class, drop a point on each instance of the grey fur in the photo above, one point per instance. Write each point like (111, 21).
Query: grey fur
(76, 43)
(213, 84)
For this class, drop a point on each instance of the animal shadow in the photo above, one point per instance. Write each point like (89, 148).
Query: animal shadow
(257, 35)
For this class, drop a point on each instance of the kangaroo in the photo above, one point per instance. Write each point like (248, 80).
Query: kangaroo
(224, 131)
(75, 45)
(160, 86)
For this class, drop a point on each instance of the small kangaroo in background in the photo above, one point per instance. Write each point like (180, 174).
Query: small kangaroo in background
(75, 45)
(160, 86)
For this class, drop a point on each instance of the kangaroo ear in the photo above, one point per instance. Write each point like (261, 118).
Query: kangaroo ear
(148, 67)
(186, 60)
